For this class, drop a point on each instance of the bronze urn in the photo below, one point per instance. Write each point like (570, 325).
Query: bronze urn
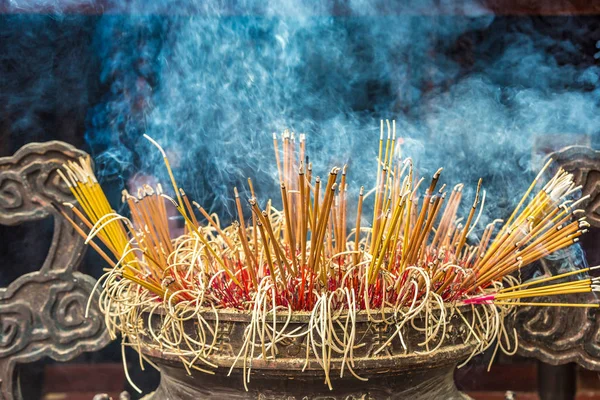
(390, 363)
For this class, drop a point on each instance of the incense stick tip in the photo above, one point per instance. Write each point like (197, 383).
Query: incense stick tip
(155, 143)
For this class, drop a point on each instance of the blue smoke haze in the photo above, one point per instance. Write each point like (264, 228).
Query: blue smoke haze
(211, 81)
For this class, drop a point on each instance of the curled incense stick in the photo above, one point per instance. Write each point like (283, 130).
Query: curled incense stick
(415, 259)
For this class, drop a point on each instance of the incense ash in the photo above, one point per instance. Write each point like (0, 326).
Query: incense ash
(417, 260)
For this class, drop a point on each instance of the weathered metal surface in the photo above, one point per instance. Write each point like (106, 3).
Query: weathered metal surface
(42, 313)
(395, 373)
(558, 335)
(431, 384)
(584, 163)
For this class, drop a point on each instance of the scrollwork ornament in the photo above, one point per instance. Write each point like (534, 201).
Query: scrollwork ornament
(42, 312)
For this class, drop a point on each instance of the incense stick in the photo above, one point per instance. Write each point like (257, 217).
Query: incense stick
(416, 255)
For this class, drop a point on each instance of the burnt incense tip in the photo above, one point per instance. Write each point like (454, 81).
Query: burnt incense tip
(478, 189)
(171, 200)
(64, 178)
(235, 192)
(155, 143)
(67, 204)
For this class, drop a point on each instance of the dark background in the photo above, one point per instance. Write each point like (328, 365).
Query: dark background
(53, 81)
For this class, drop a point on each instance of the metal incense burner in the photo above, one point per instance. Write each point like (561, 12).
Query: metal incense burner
(51, 302)
(394, 373)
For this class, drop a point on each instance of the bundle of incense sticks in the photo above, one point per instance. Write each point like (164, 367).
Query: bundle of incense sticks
(319, 253)
(415, 245)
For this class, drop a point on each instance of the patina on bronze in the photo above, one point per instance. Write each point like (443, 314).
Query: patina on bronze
(550, 334)
(394, 373)
(42, 312)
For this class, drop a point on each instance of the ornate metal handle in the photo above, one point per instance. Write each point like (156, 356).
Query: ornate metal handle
(558, 335)
(42, 313)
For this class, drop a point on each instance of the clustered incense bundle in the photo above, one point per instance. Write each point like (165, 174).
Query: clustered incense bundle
(416, 256)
